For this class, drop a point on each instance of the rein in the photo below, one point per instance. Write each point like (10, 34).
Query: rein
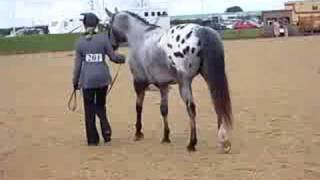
(72, 102)
(114, 79)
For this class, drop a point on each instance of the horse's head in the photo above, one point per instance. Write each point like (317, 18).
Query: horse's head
(128, 24)
(116, 30)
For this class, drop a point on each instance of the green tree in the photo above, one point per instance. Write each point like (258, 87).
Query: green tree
(234, 9)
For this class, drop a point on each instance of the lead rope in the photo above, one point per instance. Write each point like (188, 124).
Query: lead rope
(72, 103)
(114, 79)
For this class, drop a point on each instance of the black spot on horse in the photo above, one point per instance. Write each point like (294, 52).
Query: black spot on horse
(199, 43)
(182, 26)
(172, 65)
(186, 50)
(183, 41)
(170, 57)
(188, 35)
(172, 31)
(193, 50)
(178, 38)
(170, 46)
(178, 54)
(199, 53)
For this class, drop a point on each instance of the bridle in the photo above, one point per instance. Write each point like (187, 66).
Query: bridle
(112, 37)
(115, 46)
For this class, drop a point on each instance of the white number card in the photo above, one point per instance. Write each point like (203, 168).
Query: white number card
(94, 58)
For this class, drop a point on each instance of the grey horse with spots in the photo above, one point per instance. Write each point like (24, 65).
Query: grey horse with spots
(175, 56)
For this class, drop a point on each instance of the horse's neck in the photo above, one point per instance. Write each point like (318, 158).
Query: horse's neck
(135, 40)
(137, 36)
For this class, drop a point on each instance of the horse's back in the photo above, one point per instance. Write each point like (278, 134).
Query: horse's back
(182, 47)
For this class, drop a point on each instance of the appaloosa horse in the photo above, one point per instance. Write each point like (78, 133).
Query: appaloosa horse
(175, 56)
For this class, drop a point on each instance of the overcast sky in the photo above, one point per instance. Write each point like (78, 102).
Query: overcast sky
(26, 12)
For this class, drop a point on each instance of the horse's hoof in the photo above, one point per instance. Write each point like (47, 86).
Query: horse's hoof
(226, 146)
(165, 141)
(191, 148)
(138, 136)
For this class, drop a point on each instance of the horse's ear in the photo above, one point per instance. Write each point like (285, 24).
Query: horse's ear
(109, 13)
(116, 10)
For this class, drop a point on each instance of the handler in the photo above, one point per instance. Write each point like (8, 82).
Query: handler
(91, 74)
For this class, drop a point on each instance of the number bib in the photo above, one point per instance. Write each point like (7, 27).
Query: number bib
(93, 58)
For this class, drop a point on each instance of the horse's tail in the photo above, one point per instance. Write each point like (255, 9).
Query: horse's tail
(213, 70)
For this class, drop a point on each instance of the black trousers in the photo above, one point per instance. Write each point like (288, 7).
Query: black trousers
(95, 104)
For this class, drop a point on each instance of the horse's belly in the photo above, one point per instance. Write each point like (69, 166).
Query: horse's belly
(151, 74)
(158, 75)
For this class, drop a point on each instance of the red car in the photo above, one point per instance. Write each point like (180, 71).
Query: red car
(244, 25)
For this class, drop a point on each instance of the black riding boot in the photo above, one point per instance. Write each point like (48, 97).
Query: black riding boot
(92, 133)
(104, 123)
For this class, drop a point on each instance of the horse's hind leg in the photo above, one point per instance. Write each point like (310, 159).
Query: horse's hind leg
(140, 88)
(186, 94)
(164, 90)
(224, 143)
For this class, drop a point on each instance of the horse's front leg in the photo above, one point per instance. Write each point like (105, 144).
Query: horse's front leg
(186, 94)
(140, 88)
(164, 90)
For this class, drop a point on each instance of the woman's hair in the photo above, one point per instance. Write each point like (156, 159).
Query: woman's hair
(90, 31)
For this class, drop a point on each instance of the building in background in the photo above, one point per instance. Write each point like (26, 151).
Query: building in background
(300, 16)
(305, 14)
(154, 13)
(269, 17)
(221, 21)
(303, 9)
(294, 12)
(61, 22)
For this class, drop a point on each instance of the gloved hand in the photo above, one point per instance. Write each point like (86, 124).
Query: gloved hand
(75, 87)
(121, 58)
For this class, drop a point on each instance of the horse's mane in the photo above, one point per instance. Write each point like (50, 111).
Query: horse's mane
(144, 21)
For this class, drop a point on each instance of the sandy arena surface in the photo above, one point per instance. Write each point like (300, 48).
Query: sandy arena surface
(275, 86)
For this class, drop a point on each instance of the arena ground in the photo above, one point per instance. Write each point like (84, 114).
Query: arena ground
(275, 86)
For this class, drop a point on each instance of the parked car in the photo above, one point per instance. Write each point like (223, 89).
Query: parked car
(244, 25)
(229, 26)
(214, 25)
